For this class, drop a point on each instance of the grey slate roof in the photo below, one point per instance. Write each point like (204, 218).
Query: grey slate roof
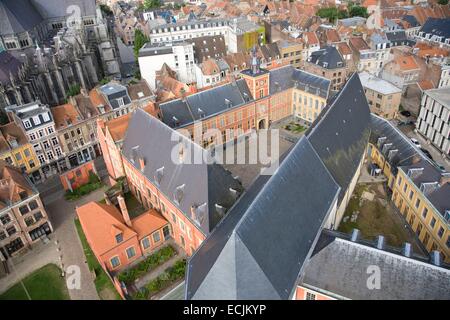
(287, 77)
(399, 38)
(341, 133)
(18, 16)
(258, 250)
(113, 92)
(411, 20)
(340, 266)
(328, 58)
(58, 8)
(437, 27)
(187, 185)
(388, 138)
(210, 102)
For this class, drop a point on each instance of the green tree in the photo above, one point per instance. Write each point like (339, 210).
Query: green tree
(357, 11)
(443, 2)
(152, 4)
(140, 39)
(74, 90)
(107, 10)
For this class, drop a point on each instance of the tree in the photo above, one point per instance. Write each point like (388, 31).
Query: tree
(357, 11)
(443, 2)
(151, 4)
(107, 10)
(74, 90)
(140, 39)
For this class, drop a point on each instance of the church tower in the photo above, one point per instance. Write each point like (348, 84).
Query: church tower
(257, 78)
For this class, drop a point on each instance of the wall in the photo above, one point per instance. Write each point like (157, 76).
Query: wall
(77, 177)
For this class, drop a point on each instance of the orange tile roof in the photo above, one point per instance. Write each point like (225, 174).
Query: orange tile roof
(64, 115)
(96, 98)
(100, 223)
(406, 63)
(210, 67)
(147, 223)
(426, 85)
(332, 35)
(358, 43)
(311, 38)
(343, 48)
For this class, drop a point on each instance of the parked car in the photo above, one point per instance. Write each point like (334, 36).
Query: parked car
(405, 123)
(416, 142)
(427, 153)
(405, 113)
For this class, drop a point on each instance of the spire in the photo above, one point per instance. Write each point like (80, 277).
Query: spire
(255, 61)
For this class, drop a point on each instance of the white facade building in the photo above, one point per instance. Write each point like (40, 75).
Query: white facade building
(179, 56)
(434, 118)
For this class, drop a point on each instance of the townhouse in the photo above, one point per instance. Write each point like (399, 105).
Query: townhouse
(16, 150)
(291, 52)
(328, 63)
(436, 32)
(23, 219)
(383, 97)
(366, 57)
(402, 71)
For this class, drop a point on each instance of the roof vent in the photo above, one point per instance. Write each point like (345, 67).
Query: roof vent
(246, 97)
(198, 213)
(228, 103)
(380, 141)
(201, 113)
(234, 193)
(179, 193)
(386, 147)
(380, 242)
(392, 153)
(159, 175)
(407, 249)
(134, 154)
(355, 235)
(435, 258)
(220, 210)
(175, 121)
(447, 215)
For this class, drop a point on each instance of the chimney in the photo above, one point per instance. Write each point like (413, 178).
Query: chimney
(380, 242)
(142, 163)
(124, 210)
(407, 249)
(84, 92)
(435, 257)
(355, 235)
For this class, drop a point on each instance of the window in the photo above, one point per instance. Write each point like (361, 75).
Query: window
(405, 187)
(50, 130)
(27, 124)
(119, 237)
(146, 243)
(31, 163)
(24, 210)
(41, 159)
(115, 262)
(11, 230)
(2, 235)
(50, 155)
(418, 204)
(38, 216)
(18, 156)
(33, 205)
(433, 222)
(27, 153)
(5, 219)
(411, 195)
(183, 243)
(310, 296)
(448, 242)
(441, 232)
(131, 252)
(400, 181)
(182, 226)
(29, 221)
(54, 141)
(156, 237)
(424, 212)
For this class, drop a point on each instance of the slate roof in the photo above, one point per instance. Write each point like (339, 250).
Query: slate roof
(437, 27)
(18, 16)
(201, 186)
(58, 8)
(113, 92)
(411, 20)
(208, 47)
(341, 133)
(398, 38)
(242, 257)
(340, 266)
(328, 57)
(259, 249)
(287, 77)
(182, 112)
(387, 137)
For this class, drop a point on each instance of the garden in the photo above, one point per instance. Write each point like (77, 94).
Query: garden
(150, 263)
(93, 184)
(295, 127)
(169, 277)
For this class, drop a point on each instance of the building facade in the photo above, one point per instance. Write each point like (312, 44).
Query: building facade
(434, 118)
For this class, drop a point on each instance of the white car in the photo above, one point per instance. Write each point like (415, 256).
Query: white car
(416, 142)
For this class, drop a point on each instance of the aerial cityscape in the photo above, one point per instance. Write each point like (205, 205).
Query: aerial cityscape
(224, 150)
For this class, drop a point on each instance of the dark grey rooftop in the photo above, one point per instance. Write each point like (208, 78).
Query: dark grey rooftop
(182, 112)
(17, 16)
(341, 267)
(328, 58)
(155, 50)
(341, 133)
(113, 92)
(194, 188)
(8, 65)
(288, 77)
(437, 27)
(397, 149)
(258, 250)
(411, 20)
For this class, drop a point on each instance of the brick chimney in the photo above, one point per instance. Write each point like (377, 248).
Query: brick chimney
(445, 178)
(124, 210)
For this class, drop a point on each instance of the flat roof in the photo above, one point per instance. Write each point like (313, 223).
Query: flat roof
(377, 84)
(442, 95)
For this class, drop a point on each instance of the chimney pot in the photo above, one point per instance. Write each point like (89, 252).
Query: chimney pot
(355, 235)
(380, 242)
(124, 210)
(407, 249)
(436, 258)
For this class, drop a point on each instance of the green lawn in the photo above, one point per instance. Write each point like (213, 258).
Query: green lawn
(103, 284)
(43, 284)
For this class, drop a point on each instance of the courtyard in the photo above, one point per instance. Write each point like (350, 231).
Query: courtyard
(372, 213)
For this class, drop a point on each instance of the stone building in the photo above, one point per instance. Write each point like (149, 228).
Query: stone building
(46, 49)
